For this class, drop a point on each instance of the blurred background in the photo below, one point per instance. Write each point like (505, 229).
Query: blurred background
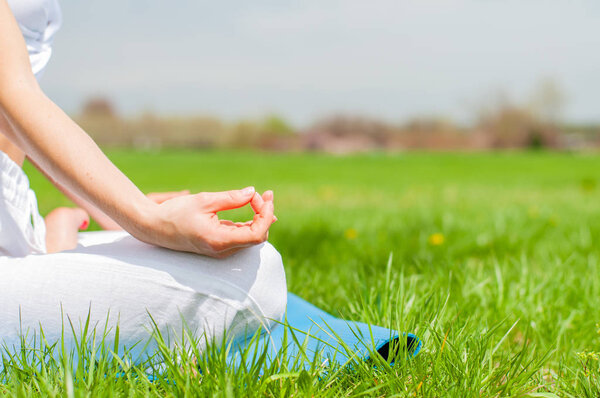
(435, 165)
(336, 76)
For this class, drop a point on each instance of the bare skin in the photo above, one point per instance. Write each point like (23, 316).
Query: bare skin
(70, 158)
(62, 225)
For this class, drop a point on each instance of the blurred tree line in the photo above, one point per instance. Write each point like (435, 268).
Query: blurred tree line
(500, 124)
(148, 130)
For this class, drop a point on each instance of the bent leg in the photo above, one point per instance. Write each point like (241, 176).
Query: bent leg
(112, 276)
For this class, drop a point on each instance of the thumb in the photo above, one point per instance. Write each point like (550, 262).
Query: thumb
(226, 200)
(160, 197)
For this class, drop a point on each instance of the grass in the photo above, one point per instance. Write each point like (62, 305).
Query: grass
(496, 266)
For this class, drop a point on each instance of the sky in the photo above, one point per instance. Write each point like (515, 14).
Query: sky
(303, 60)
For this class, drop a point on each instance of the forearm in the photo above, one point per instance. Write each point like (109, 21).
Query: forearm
(70, 157)
(100, 217)
(103, 220)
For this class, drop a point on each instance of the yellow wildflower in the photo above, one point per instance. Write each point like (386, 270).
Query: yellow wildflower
(589, 355)
(436, 239)
(351, 234)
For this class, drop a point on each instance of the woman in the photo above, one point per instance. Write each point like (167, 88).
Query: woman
(113, 274)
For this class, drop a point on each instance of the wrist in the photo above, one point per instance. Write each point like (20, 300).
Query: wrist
(143, 219)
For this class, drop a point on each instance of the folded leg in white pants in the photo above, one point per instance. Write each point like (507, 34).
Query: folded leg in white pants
(111, 272)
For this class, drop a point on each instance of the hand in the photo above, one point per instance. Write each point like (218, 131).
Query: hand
(190, 223)
(256, 203)
(159, 197)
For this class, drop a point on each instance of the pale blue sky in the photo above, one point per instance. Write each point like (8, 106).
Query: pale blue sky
(305, 59)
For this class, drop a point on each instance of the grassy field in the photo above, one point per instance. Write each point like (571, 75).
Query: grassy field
(496, 266)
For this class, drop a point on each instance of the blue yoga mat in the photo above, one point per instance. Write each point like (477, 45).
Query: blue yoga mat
(312, 334)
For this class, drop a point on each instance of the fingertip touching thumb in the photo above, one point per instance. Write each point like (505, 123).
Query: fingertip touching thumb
(227, 200)
(248, 191)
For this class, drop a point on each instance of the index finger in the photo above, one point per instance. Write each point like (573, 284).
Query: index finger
(255, 233)
(258, 200)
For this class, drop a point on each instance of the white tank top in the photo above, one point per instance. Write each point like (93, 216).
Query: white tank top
(39, 20)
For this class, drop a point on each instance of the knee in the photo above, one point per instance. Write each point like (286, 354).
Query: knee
(270, 290)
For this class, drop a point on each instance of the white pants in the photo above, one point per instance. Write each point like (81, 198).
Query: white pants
(114, 278)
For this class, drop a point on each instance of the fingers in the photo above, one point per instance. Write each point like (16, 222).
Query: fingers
(230, 237)
(247, 234)
(257, 204)
(226, 200)
(268, 195)
(235, 224)
(160, 197)
(257, 201)
(262, 221)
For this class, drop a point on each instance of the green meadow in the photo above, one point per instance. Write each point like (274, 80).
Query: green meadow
(492, 259)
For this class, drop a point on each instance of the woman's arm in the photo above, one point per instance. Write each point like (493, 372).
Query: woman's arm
(69, 156)
(104, 221)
